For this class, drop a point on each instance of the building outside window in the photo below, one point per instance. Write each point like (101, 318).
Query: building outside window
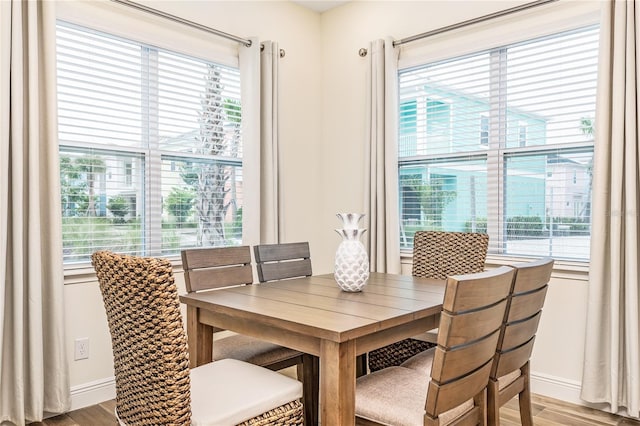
(518, 157)
(150, 147)
(484, 130)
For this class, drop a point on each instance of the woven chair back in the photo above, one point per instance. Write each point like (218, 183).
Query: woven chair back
(435, 255)
(282, 261)
(441, 254)
(148, 339)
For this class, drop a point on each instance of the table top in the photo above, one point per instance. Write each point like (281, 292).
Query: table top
(316, 306)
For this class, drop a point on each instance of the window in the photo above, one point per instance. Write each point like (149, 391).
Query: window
(484, 130)
(522, 134)
(527, 183)
(150, 147)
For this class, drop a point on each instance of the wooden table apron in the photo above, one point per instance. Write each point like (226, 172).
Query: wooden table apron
(314, 316)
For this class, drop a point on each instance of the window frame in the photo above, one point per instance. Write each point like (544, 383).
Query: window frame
(494, 152)
(132, 25)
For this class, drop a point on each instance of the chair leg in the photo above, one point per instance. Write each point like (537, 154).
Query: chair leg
(480, 401)
(309, 373)
(524, 398)
(361, 365)
(493, 403)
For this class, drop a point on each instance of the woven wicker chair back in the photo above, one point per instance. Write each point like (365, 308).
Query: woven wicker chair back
(148, 339)
(435, 255)
(442, 254)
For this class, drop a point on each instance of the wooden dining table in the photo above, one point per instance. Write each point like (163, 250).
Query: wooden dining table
(313, 315)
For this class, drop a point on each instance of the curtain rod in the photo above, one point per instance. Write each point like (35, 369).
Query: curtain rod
(245, 42)
(472, 21)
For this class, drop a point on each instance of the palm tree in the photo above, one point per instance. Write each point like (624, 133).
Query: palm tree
(212, 177)
(587, 128)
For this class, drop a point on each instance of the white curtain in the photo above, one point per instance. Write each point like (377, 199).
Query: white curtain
(33, 363)
(249, 62)
(612, 351)
(381, 180)
(270, 210)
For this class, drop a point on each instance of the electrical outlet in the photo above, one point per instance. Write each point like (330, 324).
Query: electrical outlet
(81, 349)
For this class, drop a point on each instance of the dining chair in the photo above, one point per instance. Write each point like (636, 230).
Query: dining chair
(445, 384)
(436, 255)
(154, 385)
(207, 269)
(282, 261)
(510, 372)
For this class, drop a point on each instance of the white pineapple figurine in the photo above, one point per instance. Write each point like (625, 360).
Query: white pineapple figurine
(352, 263)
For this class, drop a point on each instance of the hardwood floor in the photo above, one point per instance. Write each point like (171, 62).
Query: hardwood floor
(547, 412)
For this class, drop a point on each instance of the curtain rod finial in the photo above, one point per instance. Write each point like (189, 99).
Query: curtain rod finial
(362, 52)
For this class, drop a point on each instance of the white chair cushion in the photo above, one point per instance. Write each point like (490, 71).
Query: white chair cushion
(396, 396)
(228, 392)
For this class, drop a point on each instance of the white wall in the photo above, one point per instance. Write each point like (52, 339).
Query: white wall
(322, 115)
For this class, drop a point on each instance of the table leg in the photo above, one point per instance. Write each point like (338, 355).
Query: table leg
(200, 339)
(337, 383)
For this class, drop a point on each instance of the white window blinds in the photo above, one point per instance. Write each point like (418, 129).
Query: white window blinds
(501, 141)
(150, 147)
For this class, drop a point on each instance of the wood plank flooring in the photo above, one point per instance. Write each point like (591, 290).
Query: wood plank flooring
(547, 412)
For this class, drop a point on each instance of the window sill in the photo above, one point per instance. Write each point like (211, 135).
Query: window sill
(566, 269)
(84, 273)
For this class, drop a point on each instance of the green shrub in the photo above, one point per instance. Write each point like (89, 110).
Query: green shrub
(119, 208)
(524, 226)
(481, 225)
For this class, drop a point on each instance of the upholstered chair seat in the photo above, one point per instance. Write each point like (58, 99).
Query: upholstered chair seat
(394, 396)
(423, 361)
(249, 349)
(445, 385)
(230, 401)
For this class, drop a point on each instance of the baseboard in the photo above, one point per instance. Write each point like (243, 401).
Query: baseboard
(93, 393)
(554, 387)
(542, 384)
(557, 387)
(566, 390)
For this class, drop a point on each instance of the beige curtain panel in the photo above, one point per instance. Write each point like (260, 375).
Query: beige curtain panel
(270, 198)
(381, 158)
(249, 62)
(33, 368)
(612, 350)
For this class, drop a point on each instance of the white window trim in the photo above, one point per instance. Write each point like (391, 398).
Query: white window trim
(125, 22)
(537, 22)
